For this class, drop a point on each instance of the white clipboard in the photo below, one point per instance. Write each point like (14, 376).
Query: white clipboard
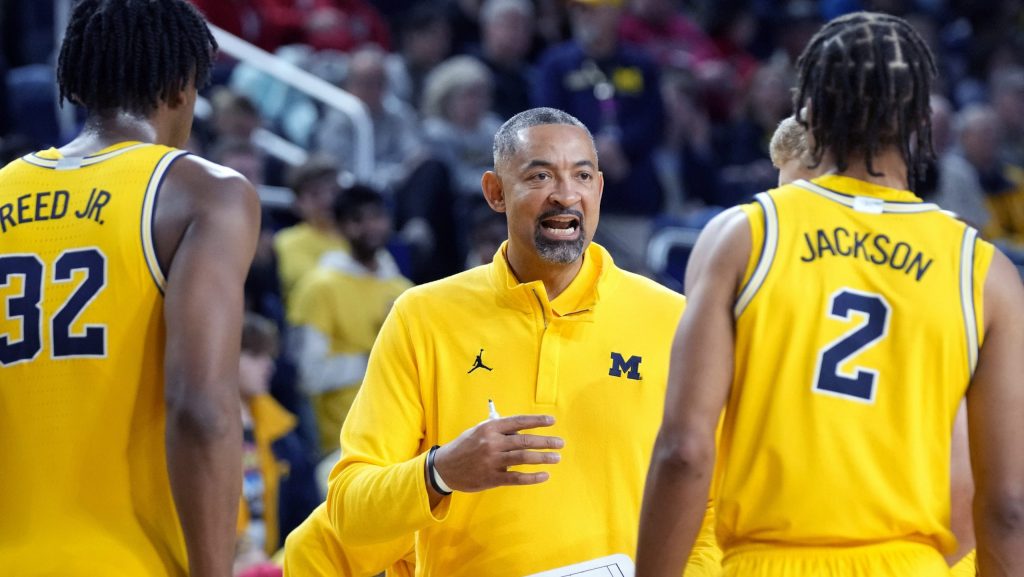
(618, 565)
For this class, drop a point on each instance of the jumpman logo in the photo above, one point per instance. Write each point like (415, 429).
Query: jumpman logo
(479, 363)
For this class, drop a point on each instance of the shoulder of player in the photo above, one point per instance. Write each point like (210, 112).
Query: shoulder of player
(725, 241)
(208, 184)
(1004, 292)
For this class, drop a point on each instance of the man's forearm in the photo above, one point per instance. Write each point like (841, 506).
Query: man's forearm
(204, 460)
(368, 503)
(1000, 536)
(675, 500)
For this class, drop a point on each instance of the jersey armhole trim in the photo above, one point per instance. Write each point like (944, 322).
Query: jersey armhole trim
(156, 179)
(768, 248)
(967, 301)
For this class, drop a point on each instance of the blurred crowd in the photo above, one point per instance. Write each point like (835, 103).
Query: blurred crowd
(682, 97)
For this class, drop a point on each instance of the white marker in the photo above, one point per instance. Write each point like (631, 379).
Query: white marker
(492, 413)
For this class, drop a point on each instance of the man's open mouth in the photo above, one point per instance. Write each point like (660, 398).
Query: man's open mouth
(561, 226)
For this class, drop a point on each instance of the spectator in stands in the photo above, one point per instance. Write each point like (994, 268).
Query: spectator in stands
(552, 25)
(797, 23)
(614, 90)
(270, 24)
(942, 124)
(397, 143)
(506, 38)
(236, 117)
(403, 170)
(346, 25)
(959, 189)
(458, 123)
(464, 17)
(1007, 88)
(1003, 184)
(458, 126)
(733, 26)
(742, 147)
(264, 423)
(488, 230)
(666, 33)
(340, 306)
(685, 160)
(425, 41)
(300, 247)
(242, 156)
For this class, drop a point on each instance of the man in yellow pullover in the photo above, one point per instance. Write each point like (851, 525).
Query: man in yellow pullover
(555, 334)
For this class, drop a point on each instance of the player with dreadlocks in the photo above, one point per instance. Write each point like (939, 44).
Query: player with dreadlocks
(840, 322)
(122, 261)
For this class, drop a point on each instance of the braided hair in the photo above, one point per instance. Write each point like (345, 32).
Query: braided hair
(132, 55)
(867, 77)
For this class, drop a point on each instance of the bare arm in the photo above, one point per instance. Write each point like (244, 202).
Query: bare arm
(700, 377)
(995, 415)
(206, 237)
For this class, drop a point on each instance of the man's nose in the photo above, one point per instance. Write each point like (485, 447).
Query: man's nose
(565, 193)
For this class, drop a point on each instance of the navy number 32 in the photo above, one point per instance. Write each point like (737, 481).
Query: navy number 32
(91, 342)
(858, 385)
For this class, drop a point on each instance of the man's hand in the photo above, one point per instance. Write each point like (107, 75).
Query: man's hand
(479, 459)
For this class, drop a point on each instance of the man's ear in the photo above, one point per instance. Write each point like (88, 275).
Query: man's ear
(494, 194)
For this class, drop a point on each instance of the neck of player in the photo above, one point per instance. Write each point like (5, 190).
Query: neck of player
(104, 130)
(889, 167)
(528, 266)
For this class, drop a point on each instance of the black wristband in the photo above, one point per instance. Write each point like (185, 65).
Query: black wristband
(430, 471)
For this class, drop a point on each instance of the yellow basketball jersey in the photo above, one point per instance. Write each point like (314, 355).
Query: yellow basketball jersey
(84, 488)
(857, 331)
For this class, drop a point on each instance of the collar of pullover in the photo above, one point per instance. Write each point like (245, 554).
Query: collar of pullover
(577, 301)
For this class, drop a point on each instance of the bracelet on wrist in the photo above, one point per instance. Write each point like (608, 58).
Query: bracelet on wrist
(433, 476)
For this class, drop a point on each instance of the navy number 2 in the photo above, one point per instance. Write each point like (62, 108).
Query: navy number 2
(858, 385)
(92, 342)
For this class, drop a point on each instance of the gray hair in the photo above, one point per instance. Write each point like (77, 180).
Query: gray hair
(493, 9)
(506, 138)
(454, 74)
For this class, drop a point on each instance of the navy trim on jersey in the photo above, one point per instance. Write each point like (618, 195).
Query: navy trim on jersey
(148, 216)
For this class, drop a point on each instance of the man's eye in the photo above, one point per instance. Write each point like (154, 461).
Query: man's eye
(540, 176)
(585, 176)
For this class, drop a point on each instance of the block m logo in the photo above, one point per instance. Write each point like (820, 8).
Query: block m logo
(630, 367)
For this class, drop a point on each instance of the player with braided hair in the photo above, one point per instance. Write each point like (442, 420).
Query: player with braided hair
(122, 262)
(867, 78)
(130, 56)
(840, 322)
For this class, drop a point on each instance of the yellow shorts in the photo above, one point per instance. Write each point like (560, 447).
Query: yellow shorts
(966, 567)
(705, 558)
(886, 560)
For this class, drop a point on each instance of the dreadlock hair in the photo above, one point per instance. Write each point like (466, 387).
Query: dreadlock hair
(131, 55)
(868, 78)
